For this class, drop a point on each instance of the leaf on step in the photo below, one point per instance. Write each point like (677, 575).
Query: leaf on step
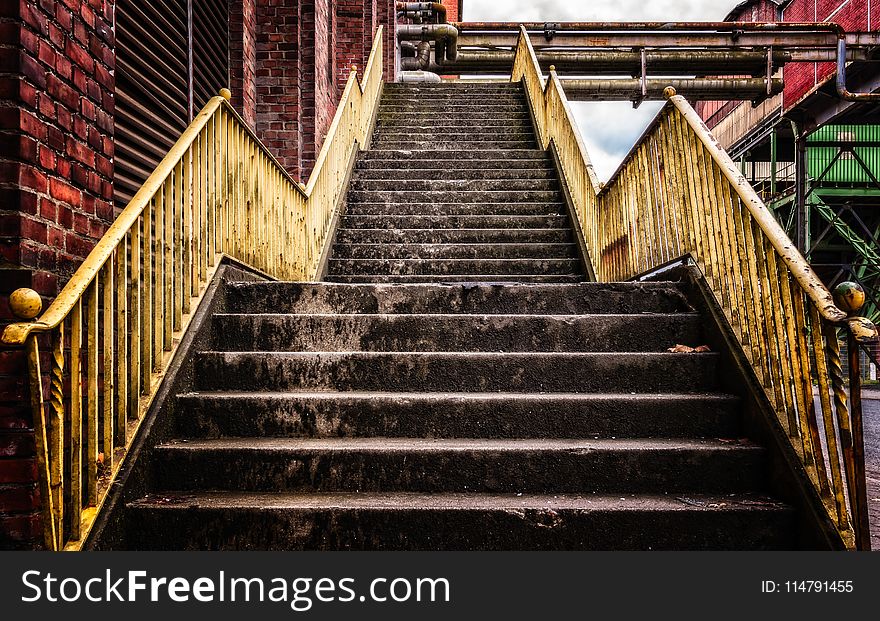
(680, 349)
(684, 349)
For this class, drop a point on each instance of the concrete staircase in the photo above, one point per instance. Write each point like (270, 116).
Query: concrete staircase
(454, 188)
(387, 411)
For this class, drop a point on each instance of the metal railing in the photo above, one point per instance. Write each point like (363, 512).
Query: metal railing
(679, 194)
(112, 330)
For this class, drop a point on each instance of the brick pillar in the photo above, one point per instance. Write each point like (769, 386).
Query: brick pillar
(56, 173)
(277, 83)
(243, 58)
(352, 25)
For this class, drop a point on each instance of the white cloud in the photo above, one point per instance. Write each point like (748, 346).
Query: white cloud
(610, 129)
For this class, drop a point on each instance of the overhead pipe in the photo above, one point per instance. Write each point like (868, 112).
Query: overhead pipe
(842, 91)
(604, 62)
(711, 89)
(418, 9)
(444, 37)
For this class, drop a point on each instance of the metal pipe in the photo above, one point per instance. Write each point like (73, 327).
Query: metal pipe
(444, 36)
(415, 9)
(623, 62)
(842, 91)
(652, 89)
(421, 61)
(418, 76)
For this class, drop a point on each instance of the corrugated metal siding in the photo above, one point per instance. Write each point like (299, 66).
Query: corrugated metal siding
(847, 170)
(152, 80)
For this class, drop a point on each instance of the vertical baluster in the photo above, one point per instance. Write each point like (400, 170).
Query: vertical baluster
(92, 394)
(56, 432)
(770, 342)
(180, 252)
(168, 308)
(76, 468)
(158, 288)
(779, 338)
(203, 205)
(41, 444)
(817, 471)
(187, 241)
(108, 287)
(145, 340)
(198, 200)
(821, 351)
(134, 316)
(122, 328)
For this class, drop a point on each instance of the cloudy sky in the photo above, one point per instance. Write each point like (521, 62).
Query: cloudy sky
(609, 129)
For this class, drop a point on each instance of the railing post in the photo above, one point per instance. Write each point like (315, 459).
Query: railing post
(851, 297)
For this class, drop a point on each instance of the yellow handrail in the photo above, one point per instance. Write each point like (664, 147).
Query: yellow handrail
(114, 327)
(678, 194)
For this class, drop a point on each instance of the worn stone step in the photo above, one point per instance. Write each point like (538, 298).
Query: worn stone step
(432, 102)
(451, 167)
(428, 146)
(454, 135)
(438, 267)
(625, 466)
(457, 185)
(456, 209)
(459, 371)
(455, 415)
(518, 124)
(464, 119)
(454, 156)
(582, 298)
(457, 235)
(456, 278)
(453, 251)
(453, 222)
(454, 332)
(407, 521)
(453, 196)
(478, 106)
(413, 173)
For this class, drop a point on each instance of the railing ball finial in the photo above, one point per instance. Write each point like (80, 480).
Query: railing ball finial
(25, 303)
(552, 68)
(849, 297)
(669, 92)
(226, 94)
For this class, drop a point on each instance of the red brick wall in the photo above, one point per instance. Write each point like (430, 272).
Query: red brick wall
(56, 174)
(325, 94)
(243, 57)
(279, 115)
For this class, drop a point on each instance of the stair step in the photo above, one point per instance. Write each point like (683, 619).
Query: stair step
(406, 221)
(407, 521)
(456, 209)
(462, 118)
(458, 332)
(460, 465)
(477, 105)
(457, 278)
(453, 251)
(404, 267)
(454, 157)
(431, 146)
(453, 196)
(456, 415)
(454, 135)
(520, 124)
(450, 166)
(427, 174)
(452, 185)
(460, 371)
(456, 235)
(558, 299)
